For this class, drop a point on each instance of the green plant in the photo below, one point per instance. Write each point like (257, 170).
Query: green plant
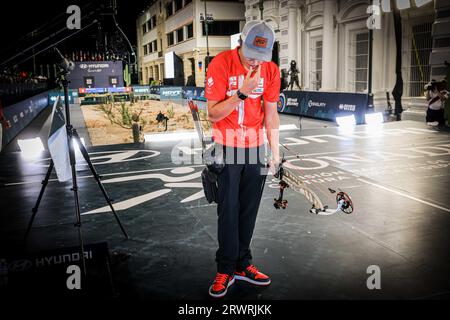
(204, 119)
(123, 116)
(170, 112)
(126, 117)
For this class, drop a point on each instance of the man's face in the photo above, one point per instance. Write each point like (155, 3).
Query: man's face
(251, 63)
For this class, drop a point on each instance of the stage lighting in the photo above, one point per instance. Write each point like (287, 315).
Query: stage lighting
(286, 127)
(375, 118)
(346, 121)
(173, 136)
(31, 148)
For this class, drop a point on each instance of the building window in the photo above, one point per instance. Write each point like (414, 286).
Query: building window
(221, 28)
(157, 73)
(144, 28)
(359, 49)
(190, 30)
(421, 46)
(180, 34)
(169, 9)
(145, 50)
(178, 5)
(170, 40)
(152, 46)
(315, 64)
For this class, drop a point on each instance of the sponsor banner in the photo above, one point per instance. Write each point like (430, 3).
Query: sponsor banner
(174, 93)
(46, 272)
(141, 90)
(99, 73)
(171, 93)
(73, 94)
(155, 93)
(83, 91)
(118, 89)
(325, 105)
(22, 113)
(194, 93)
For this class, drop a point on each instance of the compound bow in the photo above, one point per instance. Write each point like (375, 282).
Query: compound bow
(287, 179)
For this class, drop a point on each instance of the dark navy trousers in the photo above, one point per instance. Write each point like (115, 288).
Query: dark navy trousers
(240, 189)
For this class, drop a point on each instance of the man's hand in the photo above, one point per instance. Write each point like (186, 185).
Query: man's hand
(274, 166)
(251, 82)
(441, 95)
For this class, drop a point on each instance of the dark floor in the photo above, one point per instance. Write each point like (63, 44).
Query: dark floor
(398, 178)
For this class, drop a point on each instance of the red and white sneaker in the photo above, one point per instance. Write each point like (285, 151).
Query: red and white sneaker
(220, 285)
(253, 275)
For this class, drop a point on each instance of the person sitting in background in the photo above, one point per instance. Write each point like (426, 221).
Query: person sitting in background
(436, 95)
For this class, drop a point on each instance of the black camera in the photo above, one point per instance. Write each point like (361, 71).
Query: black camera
(431, 85)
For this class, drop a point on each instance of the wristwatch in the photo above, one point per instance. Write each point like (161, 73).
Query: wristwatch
(241, 95)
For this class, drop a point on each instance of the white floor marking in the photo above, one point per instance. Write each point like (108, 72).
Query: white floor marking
(161, 176)
(123, 205)
(184, 185)
(195, 196)
(406, 195)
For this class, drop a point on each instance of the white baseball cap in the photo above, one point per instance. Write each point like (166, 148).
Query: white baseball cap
(257, 40)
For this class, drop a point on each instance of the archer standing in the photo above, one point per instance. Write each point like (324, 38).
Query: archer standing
(293, 72)
(237, 82)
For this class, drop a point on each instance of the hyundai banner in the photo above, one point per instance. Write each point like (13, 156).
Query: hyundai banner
(96, 74)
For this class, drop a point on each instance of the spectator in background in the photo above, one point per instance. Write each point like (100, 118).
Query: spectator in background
(284, 81)
(190, 81)
(436, 95)
(4, 124)
(447, 87)
(293, 72)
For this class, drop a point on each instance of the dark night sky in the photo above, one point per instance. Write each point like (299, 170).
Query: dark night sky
(20, 18)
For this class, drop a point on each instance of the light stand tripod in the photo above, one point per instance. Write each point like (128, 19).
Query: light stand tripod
(66, 67)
